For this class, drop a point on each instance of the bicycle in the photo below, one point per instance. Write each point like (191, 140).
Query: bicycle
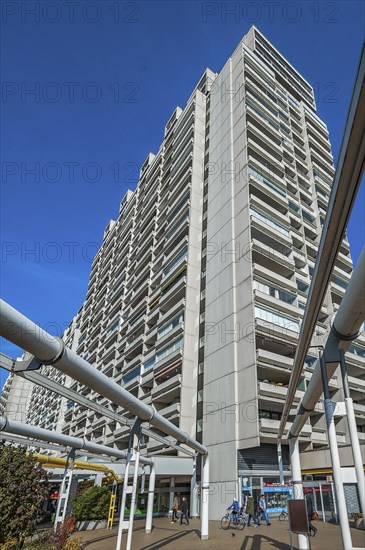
(283, 516)
(238, 521)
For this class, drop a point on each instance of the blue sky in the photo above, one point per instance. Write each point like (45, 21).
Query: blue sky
(88, 88)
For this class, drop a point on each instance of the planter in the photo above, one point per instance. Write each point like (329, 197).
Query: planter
(359, 523)
(91, 525)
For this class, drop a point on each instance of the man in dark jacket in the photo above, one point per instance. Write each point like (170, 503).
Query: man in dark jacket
(309, 505)
(184, 511)
(250, 510)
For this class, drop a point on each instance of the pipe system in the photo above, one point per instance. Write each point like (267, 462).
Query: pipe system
(58, 462)
(46, 382)
(50, 350)
(347, 180)
(26, 430)
(348, 321)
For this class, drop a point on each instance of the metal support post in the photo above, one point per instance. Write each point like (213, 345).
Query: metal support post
(297, 482)
(194, 493)
(204, 509)
(335, 459)
(354, 438)
(62, 503)
(151, 497)
(113, 499)
(322, 505)
(136, 449)
(133, 454)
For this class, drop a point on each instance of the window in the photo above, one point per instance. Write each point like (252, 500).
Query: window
(272, 316)
(174, 262)
(274, 291)
(130, 375)
(266, 181)
(269, 221)
(170, 326)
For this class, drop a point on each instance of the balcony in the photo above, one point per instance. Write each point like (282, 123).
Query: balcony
(167, 391)
(277, 391)
(276, 332)
(277, 303)
(172, 412)
(270, 426)
(272, 259)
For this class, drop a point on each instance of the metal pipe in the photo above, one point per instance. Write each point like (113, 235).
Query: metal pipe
(347, 180)
(19, 428)
(20, 330)
(297, 483)
(346, 325)
(151, 496)
(46, 382)
(335, 459)
(57, 462)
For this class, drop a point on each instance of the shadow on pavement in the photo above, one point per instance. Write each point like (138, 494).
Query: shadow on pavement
(170, 540)
(255, 542)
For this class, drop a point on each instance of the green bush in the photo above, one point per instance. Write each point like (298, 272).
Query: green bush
(92, 504)
(23, 489)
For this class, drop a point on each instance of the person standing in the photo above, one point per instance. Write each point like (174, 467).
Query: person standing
(250, 510)
(263, 510)
(309, 506)
(184, 511)
(175, 507)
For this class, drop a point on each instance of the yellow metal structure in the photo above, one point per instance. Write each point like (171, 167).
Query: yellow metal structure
(113, 499)
(57, 462)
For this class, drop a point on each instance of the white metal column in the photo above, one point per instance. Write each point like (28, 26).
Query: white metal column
(280, 462)
(354, 437)
(65, 488)
(151, 497)
(335, 459)
(297, 482)
(204, 509)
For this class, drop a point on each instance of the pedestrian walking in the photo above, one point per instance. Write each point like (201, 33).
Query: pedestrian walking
(250, 511)
(309, 505)
(175, 507)
(263, 510)
(184, 511)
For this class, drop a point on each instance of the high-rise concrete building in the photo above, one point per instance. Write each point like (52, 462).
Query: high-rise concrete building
(197, 293)
(268, 191)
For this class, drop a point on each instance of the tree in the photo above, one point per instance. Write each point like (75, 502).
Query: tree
(23, 489)
(92, 504)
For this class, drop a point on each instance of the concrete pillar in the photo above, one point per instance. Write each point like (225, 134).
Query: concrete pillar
(280, 462)
(172, 492)
(151, 495)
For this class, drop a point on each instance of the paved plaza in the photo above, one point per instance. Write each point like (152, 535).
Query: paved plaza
(175, 537)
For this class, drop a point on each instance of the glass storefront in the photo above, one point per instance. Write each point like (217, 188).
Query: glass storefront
(275, 494)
